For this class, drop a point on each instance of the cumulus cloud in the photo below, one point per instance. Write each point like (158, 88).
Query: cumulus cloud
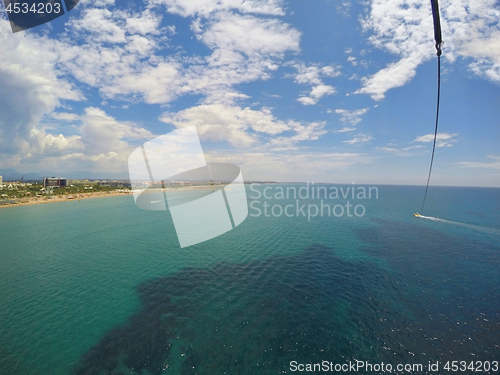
(250, 35)
(30, 86)
(52, 145)
(105, 49)
(306, 100)
(101, 143)
(242, 127)
(124, 55)
(34, 84)
(101, 133)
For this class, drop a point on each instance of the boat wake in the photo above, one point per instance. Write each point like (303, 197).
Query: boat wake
(495, 233)
(432, 218)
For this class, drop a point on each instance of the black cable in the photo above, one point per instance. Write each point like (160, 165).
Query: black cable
(435, 130)
(439, 42)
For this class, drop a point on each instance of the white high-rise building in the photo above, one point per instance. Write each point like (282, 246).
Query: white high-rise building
(1, 181)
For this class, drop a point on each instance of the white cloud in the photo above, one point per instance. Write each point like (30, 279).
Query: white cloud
(101, 133)
(30, 86)
(123, 60)
(102, 3)
(495, 164)
(305, 100)
(50, 145)
(352, 117)
(242, 127)
(103, 143)
(405, 28)
(442, 139)
(345, 129)
(145, 23)
(394, 75)
(404, 151)
(64, 116)
(311, 75)
(321, 90)
(205, 8)
(309, 132)
(250, 35)
(102, 24)
(289, 165)
(219, 122)
(475, 32)
(360, 138)
(127, 56)
(103, 48)
(156, 84)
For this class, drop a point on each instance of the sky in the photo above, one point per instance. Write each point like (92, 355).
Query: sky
(318, 90)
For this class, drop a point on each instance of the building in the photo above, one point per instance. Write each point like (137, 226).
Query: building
(54, 182)
(85, 182)
(1, 181)
(114, 183)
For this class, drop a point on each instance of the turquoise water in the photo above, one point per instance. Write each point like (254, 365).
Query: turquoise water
(99, 286)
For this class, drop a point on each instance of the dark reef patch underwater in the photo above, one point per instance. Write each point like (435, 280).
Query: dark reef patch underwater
(422, 296)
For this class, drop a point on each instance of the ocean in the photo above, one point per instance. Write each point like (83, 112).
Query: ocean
(99, 286)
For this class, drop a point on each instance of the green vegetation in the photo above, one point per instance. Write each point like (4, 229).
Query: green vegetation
(32, 190)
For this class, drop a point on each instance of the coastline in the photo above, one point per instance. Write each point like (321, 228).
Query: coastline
(78, 197)
(63, 198)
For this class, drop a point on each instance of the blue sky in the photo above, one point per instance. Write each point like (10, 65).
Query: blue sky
(323, 91)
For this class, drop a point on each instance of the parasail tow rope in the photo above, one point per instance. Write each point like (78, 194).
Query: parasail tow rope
(439, 42)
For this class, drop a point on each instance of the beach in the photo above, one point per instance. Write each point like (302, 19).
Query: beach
(26, 201)
(63, 198)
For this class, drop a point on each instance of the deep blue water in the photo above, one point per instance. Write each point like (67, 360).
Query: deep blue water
(102, 287)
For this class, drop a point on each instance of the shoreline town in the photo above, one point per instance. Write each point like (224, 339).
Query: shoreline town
(51, 190)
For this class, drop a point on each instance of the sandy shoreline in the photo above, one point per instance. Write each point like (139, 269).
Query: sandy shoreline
(63, 198)
(78, 197)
